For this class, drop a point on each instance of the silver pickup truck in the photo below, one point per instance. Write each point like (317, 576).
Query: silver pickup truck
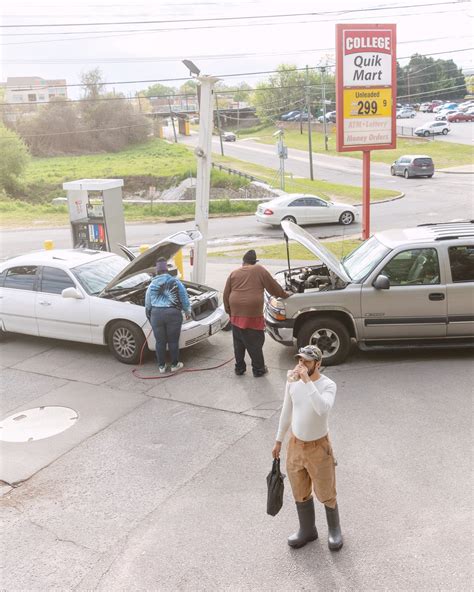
(412, 286)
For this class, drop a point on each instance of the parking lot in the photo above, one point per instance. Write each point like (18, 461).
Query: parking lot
(160, 484)
(461, 133)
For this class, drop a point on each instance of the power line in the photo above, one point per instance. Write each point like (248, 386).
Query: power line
(121, 32)
(234, 18)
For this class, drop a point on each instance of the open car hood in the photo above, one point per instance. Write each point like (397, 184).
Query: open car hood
(146, 261)
(294, 232)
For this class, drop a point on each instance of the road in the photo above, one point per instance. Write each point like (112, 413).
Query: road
(444, 197)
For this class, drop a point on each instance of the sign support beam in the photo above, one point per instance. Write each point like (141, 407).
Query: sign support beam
(365, 194)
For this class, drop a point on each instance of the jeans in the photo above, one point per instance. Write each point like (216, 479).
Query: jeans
(250, 340)
(166, 324)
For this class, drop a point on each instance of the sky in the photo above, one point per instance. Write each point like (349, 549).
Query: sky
(153, 51)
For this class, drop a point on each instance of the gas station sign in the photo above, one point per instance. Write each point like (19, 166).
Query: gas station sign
(366, 87)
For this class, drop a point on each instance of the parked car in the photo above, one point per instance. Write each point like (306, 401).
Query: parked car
(304, 209)
(98, 297)
(301, 116)
(287, 116)
(450, 106)
(425, 107)
(433, 128)
(458, 116)
(330, 117)
(466, 105)
(413, 166)
(400, 287)
(430, 105)
(443, 114)
(229, 136)
(405, 113)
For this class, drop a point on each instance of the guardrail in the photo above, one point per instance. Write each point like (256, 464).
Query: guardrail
(221, 167)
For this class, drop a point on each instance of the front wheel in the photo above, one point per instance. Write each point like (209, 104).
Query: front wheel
(445, 131)
(392, 171)
(330, 335)
(290, 219)
(426, 134)
(429, 176)
(346, 218)
(125, 341)
(406, 174)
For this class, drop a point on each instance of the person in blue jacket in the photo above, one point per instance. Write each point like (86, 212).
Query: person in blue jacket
(166, 298)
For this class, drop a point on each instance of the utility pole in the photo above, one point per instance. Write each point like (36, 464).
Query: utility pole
(219, 126)
(325, 123)
(282, 151)
(310, 139)
(172, 121)
(203, 152)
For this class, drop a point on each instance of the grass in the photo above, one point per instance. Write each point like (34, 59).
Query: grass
(154, 163)
(340, 248)
(444, 154)
(330, 191)
(16, 213)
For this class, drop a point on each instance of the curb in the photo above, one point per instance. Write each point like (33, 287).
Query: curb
(456, 172)
(381, 201)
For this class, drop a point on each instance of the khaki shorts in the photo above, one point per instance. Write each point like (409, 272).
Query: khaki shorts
(310, 465)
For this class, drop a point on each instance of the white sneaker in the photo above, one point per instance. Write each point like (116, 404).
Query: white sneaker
(162, 369)
(176, 367)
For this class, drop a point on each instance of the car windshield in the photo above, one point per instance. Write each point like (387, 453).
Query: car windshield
(362, 260)
(94, 276)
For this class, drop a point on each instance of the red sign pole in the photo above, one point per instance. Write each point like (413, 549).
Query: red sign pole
(365, 194)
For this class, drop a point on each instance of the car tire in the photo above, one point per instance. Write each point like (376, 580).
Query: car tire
(125, 341)
(392, 171)
(330, 335)
(290, 219)
(406, 174)
(412, 116)
(429, 176)
(445, 132)
(426, 134)
(346, 218)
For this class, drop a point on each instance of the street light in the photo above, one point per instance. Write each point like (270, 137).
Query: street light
(203, 176)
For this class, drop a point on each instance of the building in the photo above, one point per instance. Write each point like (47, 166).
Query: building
(34, 90)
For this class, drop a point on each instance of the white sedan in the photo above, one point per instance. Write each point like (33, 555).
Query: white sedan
(305, 209)
(98, 297)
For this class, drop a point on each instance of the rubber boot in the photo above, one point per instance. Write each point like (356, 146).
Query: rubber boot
(307, 531)
(334, 529)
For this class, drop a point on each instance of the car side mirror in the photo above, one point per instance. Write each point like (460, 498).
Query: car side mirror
(72, 293)
(381, 282)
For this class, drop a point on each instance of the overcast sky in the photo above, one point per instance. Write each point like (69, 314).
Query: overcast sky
(217, 47)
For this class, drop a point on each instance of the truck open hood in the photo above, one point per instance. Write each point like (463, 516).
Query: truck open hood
(294, 232)
(146, 261)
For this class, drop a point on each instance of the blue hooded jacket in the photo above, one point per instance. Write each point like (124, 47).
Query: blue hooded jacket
(166, 291)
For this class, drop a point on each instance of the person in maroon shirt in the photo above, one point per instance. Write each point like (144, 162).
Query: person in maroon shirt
(243, 301)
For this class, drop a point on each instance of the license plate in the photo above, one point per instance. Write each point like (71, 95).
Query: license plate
(215, 327)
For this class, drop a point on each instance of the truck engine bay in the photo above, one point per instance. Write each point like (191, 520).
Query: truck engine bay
(316, 277)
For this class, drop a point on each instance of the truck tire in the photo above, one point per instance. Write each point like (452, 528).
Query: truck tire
(330, 335)
(125, 341)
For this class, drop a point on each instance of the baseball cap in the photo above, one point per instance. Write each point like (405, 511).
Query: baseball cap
(310, 353)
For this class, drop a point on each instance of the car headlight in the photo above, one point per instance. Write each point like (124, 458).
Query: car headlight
(277, 309)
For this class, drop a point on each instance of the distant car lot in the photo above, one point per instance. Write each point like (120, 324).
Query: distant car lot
(461, 133)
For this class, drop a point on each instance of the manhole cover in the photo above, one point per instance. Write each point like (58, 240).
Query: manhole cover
(37, 424)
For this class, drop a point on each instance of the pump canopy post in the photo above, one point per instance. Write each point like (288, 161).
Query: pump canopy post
(365, 194)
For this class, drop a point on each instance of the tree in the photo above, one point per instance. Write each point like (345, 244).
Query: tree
(286, 91)
(14, 159)
(159, 90)
(425, 78)
(93, 83)
(470, 84)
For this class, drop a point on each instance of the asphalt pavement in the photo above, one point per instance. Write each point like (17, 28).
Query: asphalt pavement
(160, 484)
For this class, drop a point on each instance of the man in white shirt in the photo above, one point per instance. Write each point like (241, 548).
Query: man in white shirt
(310, 463)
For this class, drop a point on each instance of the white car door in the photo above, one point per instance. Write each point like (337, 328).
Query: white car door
(318, 211)
(59, 317)
(17, 299)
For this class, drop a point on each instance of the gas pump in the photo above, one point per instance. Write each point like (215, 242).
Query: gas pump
(96, 214)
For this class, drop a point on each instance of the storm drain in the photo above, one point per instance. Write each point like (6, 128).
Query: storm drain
(37, 424)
